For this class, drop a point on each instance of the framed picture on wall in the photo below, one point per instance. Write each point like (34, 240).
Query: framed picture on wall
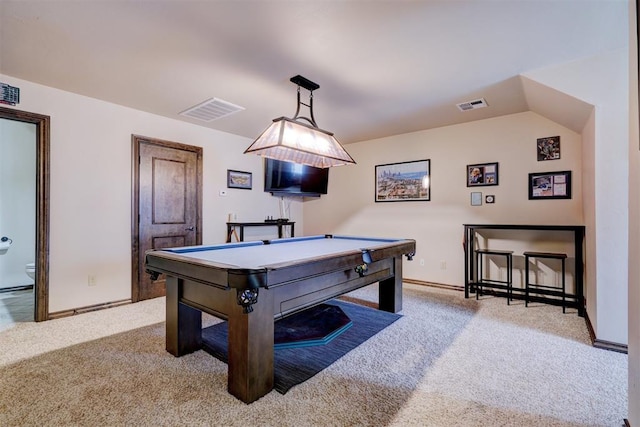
(239, 179)
(550, 185)
(404, 182)
(548, 148)
(482, 174)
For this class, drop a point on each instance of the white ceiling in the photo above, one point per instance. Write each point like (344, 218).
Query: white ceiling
(384, 67)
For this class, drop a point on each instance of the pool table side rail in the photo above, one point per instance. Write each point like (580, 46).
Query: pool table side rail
(282, 272)
(210, 273)
(226, 276)
(188, 249)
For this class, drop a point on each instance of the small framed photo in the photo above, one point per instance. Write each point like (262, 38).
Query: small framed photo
(550, 185)
(239, 179)
(476, 198)
(548, 148)
(482, 174)
(404, 182)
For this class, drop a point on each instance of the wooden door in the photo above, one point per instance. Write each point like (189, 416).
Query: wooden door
(167, 199)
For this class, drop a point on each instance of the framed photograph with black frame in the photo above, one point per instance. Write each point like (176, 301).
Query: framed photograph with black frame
(482, 174)
(550, 185)
(548, 148)
(404, 182)
(239, 179)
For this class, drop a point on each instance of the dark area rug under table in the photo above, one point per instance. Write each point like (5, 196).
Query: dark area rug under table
(293, 366)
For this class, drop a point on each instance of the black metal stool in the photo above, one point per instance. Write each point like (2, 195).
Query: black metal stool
(494, 283)
(540, 288)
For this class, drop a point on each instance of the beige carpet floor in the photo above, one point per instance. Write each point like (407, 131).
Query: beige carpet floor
(447, 362)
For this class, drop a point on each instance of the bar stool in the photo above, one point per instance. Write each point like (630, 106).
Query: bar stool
(540, 288)
(494, 283)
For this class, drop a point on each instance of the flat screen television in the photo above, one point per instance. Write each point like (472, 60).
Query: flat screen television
(291, 179)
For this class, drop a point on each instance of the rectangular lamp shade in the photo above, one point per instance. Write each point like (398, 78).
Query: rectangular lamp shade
(296, 142)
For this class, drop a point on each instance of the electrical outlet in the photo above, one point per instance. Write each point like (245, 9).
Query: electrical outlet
(92, 281)
(443, 265)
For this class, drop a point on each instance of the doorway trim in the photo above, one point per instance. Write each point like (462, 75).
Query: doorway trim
(41, 292)
(136, 141)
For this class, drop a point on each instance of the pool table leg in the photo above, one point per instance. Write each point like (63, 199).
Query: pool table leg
(251, 348)
(390, 290)
(183, 323)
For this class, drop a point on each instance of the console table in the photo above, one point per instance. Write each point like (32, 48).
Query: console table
(231, 226)
(578, 231)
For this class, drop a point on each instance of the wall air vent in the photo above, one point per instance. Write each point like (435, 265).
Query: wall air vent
(9, 95)
(211, 109)
(472, 105)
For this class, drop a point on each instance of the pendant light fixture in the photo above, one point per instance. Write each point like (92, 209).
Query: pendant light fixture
(294, 141)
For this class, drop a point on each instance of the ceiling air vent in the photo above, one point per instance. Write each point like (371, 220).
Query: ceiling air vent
(211, 109)
(472, 105)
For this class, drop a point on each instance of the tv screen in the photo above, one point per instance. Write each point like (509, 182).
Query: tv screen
(286, 178)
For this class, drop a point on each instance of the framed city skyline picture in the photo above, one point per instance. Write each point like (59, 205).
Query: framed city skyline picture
(403, 182)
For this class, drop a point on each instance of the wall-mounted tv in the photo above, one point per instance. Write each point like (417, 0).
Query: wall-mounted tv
(291, 179)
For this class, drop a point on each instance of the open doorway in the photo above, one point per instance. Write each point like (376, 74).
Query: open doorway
(41, 256)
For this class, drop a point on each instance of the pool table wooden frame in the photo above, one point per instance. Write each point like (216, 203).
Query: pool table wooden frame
(196, 285)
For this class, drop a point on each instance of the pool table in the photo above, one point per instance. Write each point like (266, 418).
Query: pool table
(253, 284)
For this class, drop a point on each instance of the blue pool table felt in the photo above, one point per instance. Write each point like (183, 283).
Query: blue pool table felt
(258, 255)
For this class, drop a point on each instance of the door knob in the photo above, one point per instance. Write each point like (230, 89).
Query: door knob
(190, 228)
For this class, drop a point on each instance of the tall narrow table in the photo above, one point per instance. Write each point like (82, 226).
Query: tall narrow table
(231, 226)
(578, 232)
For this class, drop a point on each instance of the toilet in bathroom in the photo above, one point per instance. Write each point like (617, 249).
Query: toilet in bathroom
(30, 269)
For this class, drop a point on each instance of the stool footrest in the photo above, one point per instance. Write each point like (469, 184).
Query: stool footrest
(494, 282)
(547, 291)
(557, 288)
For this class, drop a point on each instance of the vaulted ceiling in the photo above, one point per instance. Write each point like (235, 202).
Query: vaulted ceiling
(384, 67)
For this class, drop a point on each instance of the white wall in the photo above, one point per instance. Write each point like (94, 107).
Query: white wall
(634, 225)
(589, 208)
(17, 200)
(91, 189)
(603, 81)
(436, 225)
(634, 267)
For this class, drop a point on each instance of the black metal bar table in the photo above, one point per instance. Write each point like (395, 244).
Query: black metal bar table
(231, 226)
(578, 231)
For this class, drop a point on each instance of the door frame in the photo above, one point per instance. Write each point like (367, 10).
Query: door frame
(136, 141)
(43, 144)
